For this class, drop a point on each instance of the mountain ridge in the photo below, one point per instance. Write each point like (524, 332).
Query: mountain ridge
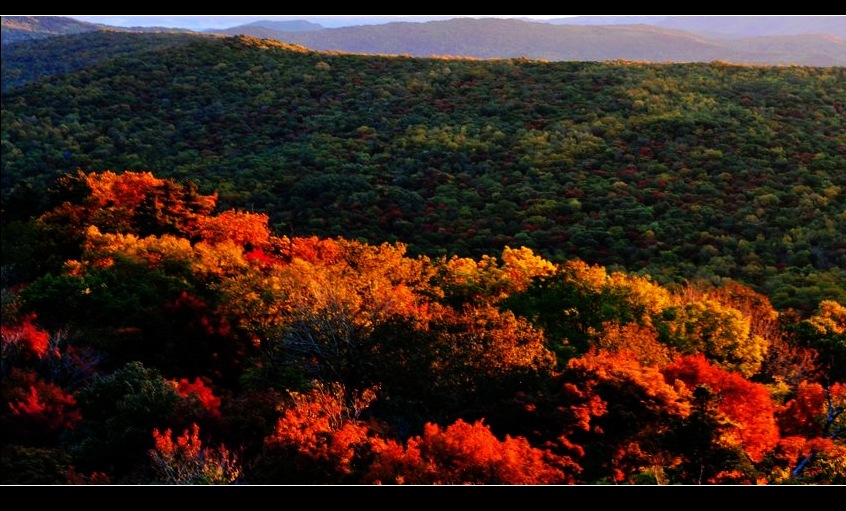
(694, 167)
(26, 28)
(17, 29)
(491, 38)
(283, 26)
(663, 39)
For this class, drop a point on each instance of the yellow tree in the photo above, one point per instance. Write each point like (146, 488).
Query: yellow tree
(721, 333)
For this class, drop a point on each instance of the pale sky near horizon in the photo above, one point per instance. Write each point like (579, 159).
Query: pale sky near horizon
(201, 21)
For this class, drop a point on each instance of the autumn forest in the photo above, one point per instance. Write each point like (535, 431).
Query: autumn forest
(228, 260)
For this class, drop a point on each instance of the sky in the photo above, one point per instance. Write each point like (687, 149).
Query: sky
(204, 22)
(199, 22)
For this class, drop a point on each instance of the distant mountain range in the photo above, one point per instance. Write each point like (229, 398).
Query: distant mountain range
(27, 28)
(284, 26)
(581, 40)
(708, 26)
(762, 40)
(725, 26)
(755, 26)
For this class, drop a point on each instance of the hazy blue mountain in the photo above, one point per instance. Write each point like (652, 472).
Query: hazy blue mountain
(726, 26)
(260, 28)
(250, 30)
(771, 40)
(749, 26)
(810, 49)
(27, 28)
(512, 38)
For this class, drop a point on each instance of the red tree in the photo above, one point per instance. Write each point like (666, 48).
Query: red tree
(747, 406)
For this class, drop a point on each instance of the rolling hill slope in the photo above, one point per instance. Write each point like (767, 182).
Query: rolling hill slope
(35, 59)
(26, 28)
(798, 40)
(684, 171)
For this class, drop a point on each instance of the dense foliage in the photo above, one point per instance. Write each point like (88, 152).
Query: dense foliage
(39, 59)
(706, 172)
(237, 261)
(176, 342)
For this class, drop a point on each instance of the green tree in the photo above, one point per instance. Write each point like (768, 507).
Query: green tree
(120, 411)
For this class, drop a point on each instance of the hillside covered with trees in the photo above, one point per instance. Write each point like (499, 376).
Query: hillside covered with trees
(168, 341)
(682, 172)
(240, 261)
(40, 59)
